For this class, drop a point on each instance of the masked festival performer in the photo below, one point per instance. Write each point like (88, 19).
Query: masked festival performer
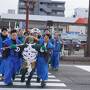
(42, 60)
(12, 58)
(29, 61)
(55, 59)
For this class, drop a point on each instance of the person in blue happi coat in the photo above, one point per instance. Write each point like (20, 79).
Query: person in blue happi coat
(55, 58)
(42, 60)
(3, 36)
(12, 58)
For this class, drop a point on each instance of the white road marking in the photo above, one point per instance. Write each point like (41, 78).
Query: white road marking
(86, 68)
(50, 80)
(37, 84)
(52, 83)
(30, 89)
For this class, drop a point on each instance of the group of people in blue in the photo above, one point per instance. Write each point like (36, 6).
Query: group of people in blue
(11, 58)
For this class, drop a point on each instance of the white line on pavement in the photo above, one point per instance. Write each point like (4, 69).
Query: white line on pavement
(50, 80)
(83, 67)
(38, 84)
(29, 89)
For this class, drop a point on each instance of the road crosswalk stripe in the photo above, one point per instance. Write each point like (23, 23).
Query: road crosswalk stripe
(37, 84)
(30, 88)
(52, 83)
(34, 80)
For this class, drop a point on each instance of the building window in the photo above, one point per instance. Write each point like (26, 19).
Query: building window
(22, 3)
(41, 9)
(48, 13)
(48, 4)
(54, 13)
(41, 2)
(59, 6)
(58, 13)
(55, 5)
(22, 11)
(86, 11)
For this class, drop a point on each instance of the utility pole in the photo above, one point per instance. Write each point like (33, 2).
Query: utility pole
(88, 35)
(29, 4)
(27, 14)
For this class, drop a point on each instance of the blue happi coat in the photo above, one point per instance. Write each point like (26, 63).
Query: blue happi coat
(42, 64)
(41, 40)
(55, 59)
(1, 45)
(11, 65)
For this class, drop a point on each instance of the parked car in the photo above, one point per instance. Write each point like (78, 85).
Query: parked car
(75, 44)
(66, 43)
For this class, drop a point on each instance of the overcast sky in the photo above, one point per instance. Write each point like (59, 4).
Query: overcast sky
(70, 5)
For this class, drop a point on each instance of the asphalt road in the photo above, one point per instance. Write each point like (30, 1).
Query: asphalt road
(75, 77)
(69, 77)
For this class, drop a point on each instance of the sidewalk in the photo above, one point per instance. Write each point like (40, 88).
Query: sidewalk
(75, 60)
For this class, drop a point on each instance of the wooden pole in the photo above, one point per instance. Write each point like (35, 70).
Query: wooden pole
(27, 15)
(88, 35)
